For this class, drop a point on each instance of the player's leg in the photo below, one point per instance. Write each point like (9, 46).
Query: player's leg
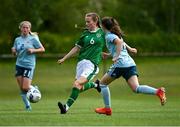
(26, 86)
(90, 85)
(19, 81)
(106, 79)
(112, 74)
(130, 75)
(78, 84)
(23, 93)
(90, 71)
(85, 71)
(133, 82)
(19, 77)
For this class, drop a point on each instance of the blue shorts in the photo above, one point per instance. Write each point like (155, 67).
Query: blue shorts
(127, 72)
(24, 72)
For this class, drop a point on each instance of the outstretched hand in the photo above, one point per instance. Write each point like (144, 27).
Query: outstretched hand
(14, 51)
(133, 50)
(60, 61)
(30, 50)
(115, 59)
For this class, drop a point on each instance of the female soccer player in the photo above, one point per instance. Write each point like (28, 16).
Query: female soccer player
(25, 47)
(123, 65)
(90, 47)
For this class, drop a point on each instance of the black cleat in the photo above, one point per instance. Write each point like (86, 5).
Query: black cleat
(98, 88)
(62, 108)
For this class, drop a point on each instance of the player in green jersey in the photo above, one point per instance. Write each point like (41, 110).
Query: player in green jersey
(90, 47)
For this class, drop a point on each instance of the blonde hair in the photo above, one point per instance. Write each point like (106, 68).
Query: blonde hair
(24, 22)
(29, 24)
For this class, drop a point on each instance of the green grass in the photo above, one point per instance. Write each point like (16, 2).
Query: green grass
(55, 82)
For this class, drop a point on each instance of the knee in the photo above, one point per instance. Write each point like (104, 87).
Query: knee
(135, 89)
(77, 85)
(25, 88)
(103, 86)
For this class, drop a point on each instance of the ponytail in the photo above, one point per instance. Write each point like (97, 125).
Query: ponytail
(112, 25)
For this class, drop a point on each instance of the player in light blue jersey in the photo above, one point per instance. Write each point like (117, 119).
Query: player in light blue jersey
(25, 47)
(123, 65)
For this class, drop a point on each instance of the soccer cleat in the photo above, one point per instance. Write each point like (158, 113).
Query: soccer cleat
(162, 96)
(28, 108)
(106, 111)
(62, 108)
(98, 88)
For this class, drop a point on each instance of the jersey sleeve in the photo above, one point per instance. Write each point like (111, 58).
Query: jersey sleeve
(111, 37)
(80, 42)
(15, 44)
(36, 42)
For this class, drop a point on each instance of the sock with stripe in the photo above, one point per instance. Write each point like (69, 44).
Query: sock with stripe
(74, 94)
(87, 86)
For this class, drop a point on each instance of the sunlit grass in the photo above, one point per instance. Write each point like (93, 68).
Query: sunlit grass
(55, 82)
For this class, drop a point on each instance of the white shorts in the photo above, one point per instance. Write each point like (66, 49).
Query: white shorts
(85, 68)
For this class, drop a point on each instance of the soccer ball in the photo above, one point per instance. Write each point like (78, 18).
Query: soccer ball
(34, 95)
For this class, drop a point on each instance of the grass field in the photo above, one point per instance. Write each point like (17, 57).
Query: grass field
(55, 82)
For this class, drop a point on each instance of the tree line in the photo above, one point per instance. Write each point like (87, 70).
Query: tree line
(149, 25)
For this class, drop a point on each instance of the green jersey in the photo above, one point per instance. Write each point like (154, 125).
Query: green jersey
(91, 44)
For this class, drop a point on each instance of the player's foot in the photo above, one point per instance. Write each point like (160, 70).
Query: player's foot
(98, 88)
(28, 108)
(162, 96)
(106, 111)
(35, 86)
(62, 108)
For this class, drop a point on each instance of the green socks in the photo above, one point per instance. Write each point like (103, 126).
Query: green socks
(73, 96)
(75, 92)
(87, 86)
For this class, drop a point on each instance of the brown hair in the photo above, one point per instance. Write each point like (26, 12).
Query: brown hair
(112, 25)
(95, 17)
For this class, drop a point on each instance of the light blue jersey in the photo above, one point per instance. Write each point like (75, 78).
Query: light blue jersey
(21, 44)
(124, 58)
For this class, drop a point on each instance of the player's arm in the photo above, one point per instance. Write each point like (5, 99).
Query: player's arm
(118, 42)
(13, 50)
(73, 51)
(105, 55)
(130, 49)
(38, 50)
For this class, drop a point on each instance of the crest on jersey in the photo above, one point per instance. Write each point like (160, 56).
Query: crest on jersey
(98, 35)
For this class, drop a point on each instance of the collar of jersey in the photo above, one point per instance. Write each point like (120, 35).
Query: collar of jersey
(94, 31)
(108, 32)
(25, 36)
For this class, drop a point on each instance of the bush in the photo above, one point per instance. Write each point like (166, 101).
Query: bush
(145, 43)
(6, 43)
(156, 42)
(55, 43)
